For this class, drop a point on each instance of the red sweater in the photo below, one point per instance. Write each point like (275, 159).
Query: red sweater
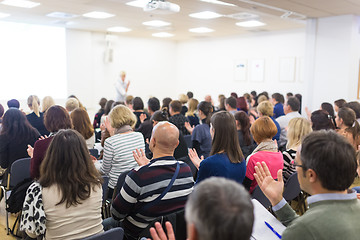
(39, 153)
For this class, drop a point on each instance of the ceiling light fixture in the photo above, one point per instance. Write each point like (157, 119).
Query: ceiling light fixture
(61, 15)
(251, 23)
(162, 34)
(156, 23)
(138, 3)
(20, 3)
(201, 30)
(4, 15)
(98, 15)
(118, 29)
(219, 2)
(205, 15)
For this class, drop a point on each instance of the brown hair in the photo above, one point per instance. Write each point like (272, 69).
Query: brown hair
(175, 105)
(56, 118)
(263, 128)
(68, 165)
(81, 123)
(244, 123)
(226, 137)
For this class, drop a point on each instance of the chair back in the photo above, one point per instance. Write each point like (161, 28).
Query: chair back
(259, 195)
(112, 234)
(188, 140)
(105, 186)
(177, 220)
(19, 171)
(94, 152)
(292, 187)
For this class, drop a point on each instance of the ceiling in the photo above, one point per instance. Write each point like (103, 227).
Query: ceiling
(268, 11)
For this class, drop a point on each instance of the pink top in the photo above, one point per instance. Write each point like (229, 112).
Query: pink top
(274, 161)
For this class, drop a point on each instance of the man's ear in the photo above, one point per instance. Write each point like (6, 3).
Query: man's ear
(311, 174)
(192, 232)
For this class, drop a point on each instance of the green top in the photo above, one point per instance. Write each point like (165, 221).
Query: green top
(325, 220)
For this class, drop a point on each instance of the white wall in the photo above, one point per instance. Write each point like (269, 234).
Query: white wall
(208, 65)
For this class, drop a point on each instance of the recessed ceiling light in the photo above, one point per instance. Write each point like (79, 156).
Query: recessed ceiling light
(98, 15)
(162, 34)
(201, 30)
(61, 15)
(138, 3)
(20, 3)
(219, 2)
(156, 23)
(251, 23)
(118, 29)
(205, 15)
(4, 15)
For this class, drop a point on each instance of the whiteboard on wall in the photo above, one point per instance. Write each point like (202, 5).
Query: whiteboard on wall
(240, 70)
(287, 69)
(257, 69)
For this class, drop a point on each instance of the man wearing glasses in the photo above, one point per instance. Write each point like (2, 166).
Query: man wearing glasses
(326, 167)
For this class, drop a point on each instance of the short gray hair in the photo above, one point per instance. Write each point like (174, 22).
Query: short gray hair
(220, 209)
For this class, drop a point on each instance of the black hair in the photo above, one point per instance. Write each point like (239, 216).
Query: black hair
(231, 101)
(294, 103)
(138, 103)
(154, 104)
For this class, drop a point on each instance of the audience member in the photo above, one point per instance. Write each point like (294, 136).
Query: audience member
(107, 110)
(289, 94)
(263, 130)
(16, 133)
(230, 105)
(138, 202)
(183, 99)
(226, 159)
(191, 113)
(234, 94)
(348, 126)
(70, 191)
(81, 123)
(176, 117)
(146, 125)
(298, 128)
(128, 101)
(278, 101)
(234, 210)
(166, 104)
(262, 98)
(321, 119)
(181, 150)
(291, 109)
(47, 102)
(354, 105)
(200, 135)
(138, 107)
(247, 143)
(98, 115)
(118, 148)
(80, 104)
(55, 118)
(329, 108)
(299, 97)
(221, 100)
(326, 167)
(1, 114)
(339, 104)
(242, 105)
(265, 108)
(36, 118)
(190, 95)
(71, 104)
(13, 103)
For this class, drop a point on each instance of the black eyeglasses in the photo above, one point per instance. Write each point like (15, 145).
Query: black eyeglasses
(297, 165)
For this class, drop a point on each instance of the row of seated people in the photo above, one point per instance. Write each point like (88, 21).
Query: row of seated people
(121, 121)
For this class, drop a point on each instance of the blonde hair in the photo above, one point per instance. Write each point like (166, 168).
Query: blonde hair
(262, 98)
(71, 104)
(265, 108)
(193, 103)
(183, 98)
(47, 102)
(34, 104)
(298, 128)
(122, 115)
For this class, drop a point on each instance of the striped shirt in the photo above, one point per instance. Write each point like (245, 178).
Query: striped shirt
(118, 155)
(289, 168)
(143, 185)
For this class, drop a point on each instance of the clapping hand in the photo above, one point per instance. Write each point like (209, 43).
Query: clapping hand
(142, 117)
(30, 151)
(272, 189)
(189, 127)
(158, 233)
(140, 157)
(195, 158)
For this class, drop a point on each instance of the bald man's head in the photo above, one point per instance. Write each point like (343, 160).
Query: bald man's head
(165, 137)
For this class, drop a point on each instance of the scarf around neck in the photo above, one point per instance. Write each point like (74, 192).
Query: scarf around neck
(123, 129)
(269, 145)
